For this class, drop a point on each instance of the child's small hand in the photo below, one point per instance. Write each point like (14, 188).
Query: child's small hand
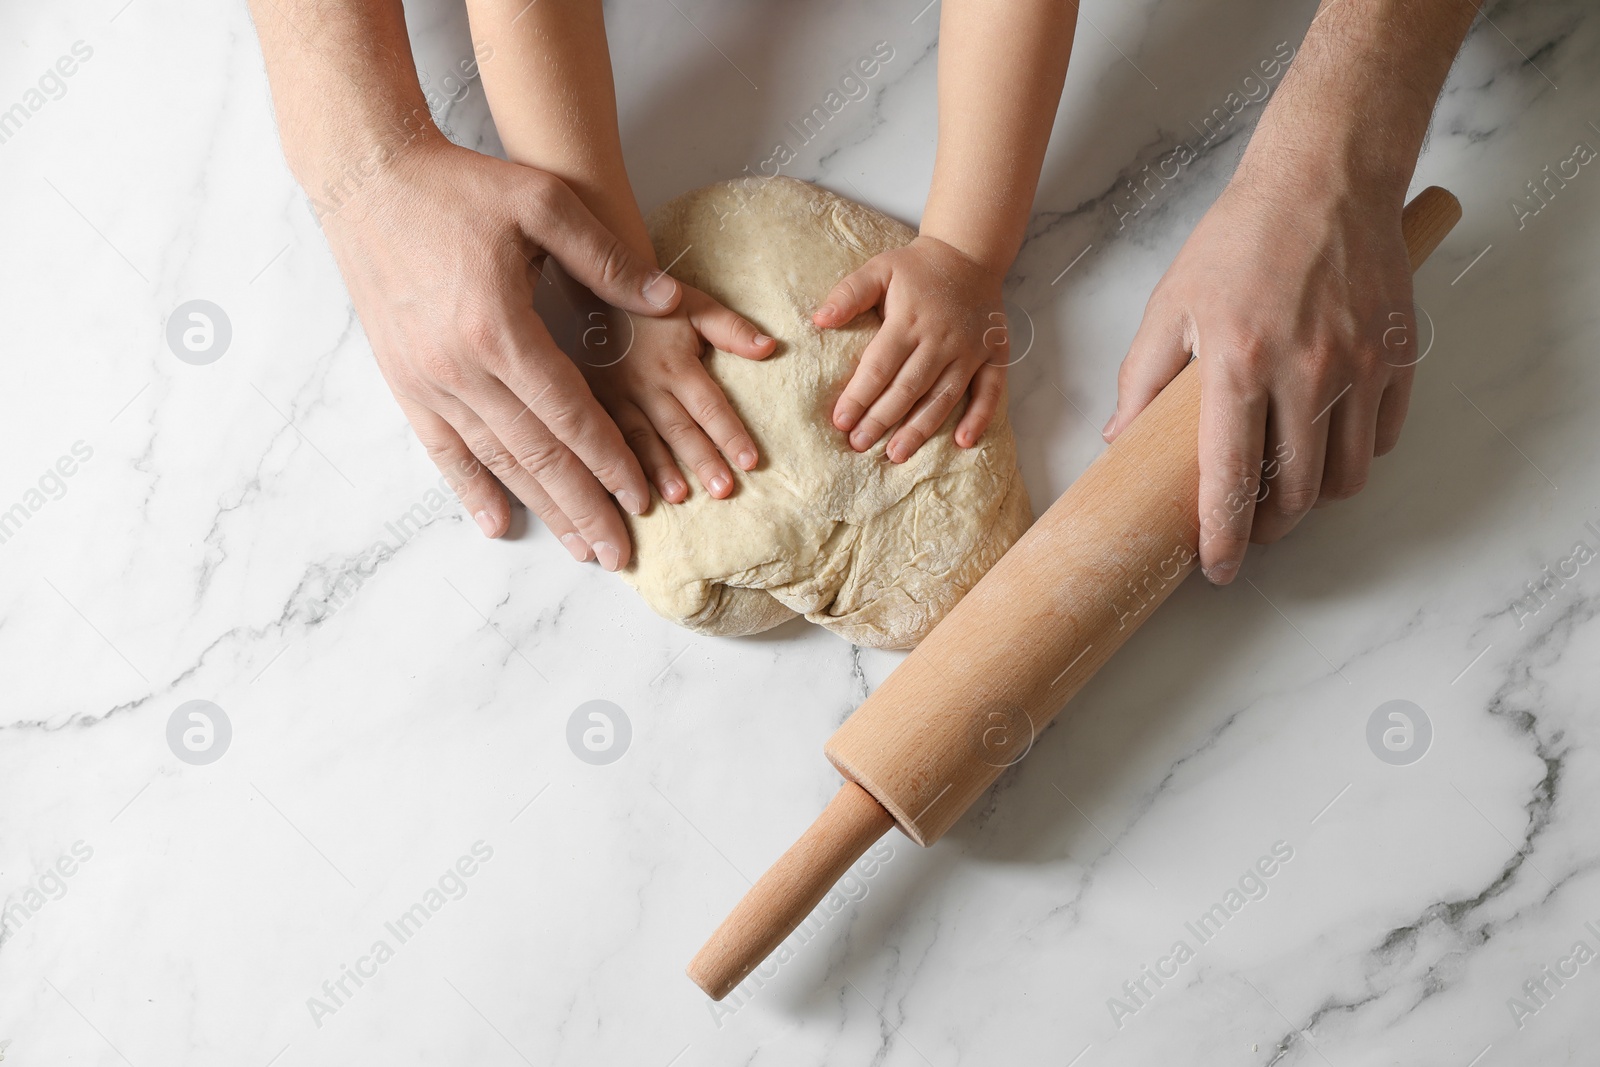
(944, 326)
(660, 394)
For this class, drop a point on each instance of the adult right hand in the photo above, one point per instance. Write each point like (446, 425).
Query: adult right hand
(441, 253)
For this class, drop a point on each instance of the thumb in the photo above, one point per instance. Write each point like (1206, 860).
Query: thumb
(861, 289)
(561, 225)
(1159, 351)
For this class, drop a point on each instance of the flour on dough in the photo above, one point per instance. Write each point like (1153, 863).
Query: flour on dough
(875, 551)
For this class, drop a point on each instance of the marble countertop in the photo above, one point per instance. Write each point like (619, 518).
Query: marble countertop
(395, 767)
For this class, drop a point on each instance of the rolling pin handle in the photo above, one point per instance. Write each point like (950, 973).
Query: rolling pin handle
(785, 895)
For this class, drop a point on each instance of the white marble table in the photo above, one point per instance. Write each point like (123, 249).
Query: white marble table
(412, 727)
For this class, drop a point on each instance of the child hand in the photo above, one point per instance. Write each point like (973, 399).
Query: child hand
(944, 326)
(661, 396)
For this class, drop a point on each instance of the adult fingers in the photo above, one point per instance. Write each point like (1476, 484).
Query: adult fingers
(726, 329)
(555, 220)
(911, 383)
(1297, 448)
(708, 405)
(568, 480)
(859, 290)
(555, 391)
(988, 393)
(1158, 352)
(689, 443)
(1392, 412)
(653, 453)
(929, 415)
(497, 459)
(467, 477)
(1352, 432)
(884, 356)
(1233, 418)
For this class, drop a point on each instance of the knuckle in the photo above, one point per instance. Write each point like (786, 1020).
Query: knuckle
(562, 417)
(707, 410)
(480, 329)
(638, 436)
(539, 458)
(612, 262)
(497, 459)
(1344, 488)
(1296, 498)
(444, 370)
(543, 192)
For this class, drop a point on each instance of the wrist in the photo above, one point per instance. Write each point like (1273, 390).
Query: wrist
(1331, 151)
(980, 249)
(343, 146)
(334, 172)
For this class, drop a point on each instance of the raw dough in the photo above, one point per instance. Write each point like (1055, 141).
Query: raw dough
(875, 551)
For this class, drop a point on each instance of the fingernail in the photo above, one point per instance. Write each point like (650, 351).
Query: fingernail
(577, 546)
(896, 452)
(630, 501)
(861, 440)
(720, 484)
(1111, 424)
(1221, 572)
(827, 311)
(761, 340)
(747, 459)
(660, 289)
(606, 553)
(845, 420)
(485, 522)
(672, 490)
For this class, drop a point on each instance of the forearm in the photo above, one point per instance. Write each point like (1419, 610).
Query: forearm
(1354, 108)
(1001, 67)
(344, 86)
(554, 104)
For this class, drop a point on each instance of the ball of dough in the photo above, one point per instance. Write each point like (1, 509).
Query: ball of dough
(877, 552)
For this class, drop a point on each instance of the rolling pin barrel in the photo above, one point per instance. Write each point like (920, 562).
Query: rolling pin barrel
(973, 696)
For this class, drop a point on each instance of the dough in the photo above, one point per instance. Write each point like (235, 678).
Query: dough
(875, 551)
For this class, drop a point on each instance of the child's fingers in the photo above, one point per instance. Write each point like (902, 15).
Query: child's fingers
(860, 290)
(988, 393)
(690, 444)
(654, 456)
(931, 411)
(726, 329)
(915, 378)
(705, 401)
(882, 360)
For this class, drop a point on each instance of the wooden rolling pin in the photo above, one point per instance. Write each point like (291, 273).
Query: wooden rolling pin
(989, 678)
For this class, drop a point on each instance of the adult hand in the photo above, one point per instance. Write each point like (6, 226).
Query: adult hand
(441, 255)
(1294, 293)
